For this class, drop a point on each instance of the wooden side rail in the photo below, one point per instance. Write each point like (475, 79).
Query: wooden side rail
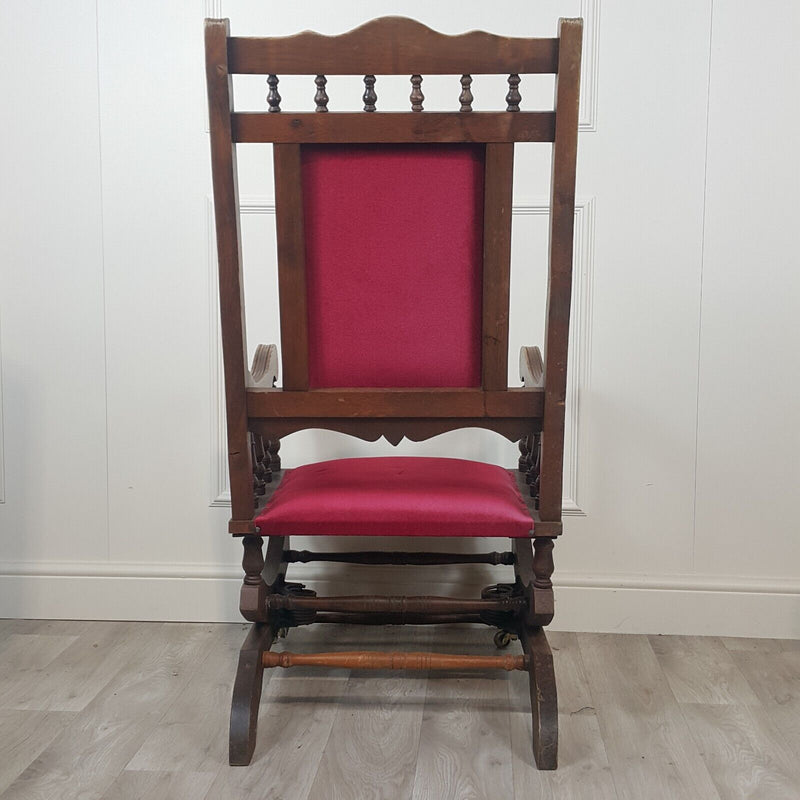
(399, 619)
(396, 557)
(393, 127)
(403, 403)
(394, 605)
(377, 660)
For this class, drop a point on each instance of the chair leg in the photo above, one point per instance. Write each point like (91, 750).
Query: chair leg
(247, 693)
(544, 700)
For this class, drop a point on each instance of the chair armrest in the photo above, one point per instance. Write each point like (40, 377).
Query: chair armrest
(531, 367)
(264, 372)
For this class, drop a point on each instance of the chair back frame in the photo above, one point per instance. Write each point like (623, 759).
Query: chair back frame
(533, 414)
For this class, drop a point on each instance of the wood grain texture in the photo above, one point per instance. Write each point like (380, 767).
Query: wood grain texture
(649, 747)
(75, 673)
(372, 750)
(615, 707)
(498, 181)
(465, 739)
(583, 772)
(229, 255)
(344, 127)
(148, 785)
(295, 725)
(24, 735)
(189, 737)
(403, 403)
(774, 676)
(701, 670)
(295, 721)
(744, 752)
(85, 759)
(291, 263)
(559, 287)
(392, 46)
(361, 659)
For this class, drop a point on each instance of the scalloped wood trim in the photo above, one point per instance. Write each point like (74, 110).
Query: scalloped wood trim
(391, 46)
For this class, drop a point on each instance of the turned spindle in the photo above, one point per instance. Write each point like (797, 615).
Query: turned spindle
(525, 445)
(264, 460)
(273, 448)
(252, 560)
(465, 98)
(370, 96)
(513, 97)
(259, 485)
(382, 660)
(416, 93)
(533, 476)
(542, 563)
(273, 98)
(254, 590)
(321, 97)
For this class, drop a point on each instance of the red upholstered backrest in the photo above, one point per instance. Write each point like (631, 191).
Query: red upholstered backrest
(394, 264)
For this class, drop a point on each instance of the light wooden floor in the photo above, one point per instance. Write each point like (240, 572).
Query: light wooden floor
(139, 710)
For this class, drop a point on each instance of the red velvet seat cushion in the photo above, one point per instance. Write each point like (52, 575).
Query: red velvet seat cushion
(394, 264)
(396, 496)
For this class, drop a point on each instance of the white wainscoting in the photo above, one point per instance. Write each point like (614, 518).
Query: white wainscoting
(681, 467)
(2, 450)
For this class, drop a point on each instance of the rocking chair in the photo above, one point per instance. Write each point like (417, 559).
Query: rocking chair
(394, 244)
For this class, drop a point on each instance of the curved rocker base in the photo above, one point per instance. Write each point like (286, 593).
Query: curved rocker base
(247, 693)
(544, 699)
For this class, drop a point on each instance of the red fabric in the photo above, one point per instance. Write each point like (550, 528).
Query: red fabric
(396, 496)
(394, 258)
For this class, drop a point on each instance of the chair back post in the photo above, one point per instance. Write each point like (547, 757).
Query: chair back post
(290, 232)
(498, 185)
(559, 290)
(229, 253)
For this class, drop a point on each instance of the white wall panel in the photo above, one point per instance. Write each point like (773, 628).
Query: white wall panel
(748, 439)
(645, 165)
(51, 286)
(155, 180)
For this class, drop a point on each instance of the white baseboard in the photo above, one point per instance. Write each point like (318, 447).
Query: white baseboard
(691, 605)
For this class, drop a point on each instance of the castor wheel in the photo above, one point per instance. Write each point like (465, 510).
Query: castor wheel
(504, 638)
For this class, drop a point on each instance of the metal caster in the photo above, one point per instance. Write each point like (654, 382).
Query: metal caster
(503, 638)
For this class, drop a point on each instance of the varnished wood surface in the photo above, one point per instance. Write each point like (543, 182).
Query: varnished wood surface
(391, 46)
(559, 286)
(499, 172)
(393, 127)
(365, 659)
(401, 403)
(139, 710)
(229, 255)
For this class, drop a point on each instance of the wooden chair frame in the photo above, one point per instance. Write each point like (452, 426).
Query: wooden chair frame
(259, 415)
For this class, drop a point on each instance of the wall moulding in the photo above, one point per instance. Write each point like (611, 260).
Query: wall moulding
(590, 11)
(579, 359)
(2, 452)
(720, 605)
